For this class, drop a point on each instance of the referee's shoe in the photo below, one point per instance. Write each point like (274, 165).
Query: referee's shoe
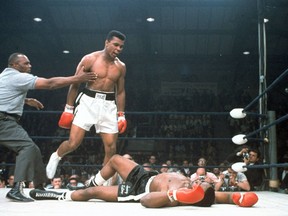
(17, 194)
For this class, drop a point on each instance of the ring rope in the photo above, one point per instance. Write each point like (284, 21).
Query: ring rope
(283, 118)
(262, 166)
(266, 90)
(146, 138)
(150, 113)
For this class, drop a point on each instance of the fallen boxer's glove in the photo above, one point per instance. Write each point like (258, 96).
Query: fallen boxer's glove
(185, 195)
(122, 123)
(66, 118)
(247, 199)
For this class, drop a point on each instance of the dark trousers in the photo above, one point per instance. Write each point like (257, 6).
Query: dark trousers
(29, 165)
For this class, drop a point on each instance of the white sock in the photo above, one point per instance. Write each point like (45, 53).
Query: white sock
(58, 155)
(99, 180)
(68, 196)
(108, 182)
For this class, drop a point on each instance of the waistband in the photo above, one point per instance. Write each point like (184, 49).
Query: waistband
(102, 95)
(147, 187)
(5, 116)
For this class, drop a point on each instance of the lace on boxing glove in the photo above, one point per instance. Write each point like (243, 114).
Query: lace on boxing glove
(68, 108)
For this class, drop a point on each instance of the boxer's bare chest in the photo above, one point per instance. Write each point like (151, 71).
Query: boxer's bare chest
(170, 182)
(108, 74)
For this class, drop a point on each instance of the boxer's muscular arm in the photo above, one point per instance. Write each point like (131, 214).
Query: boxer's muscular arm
(120, 100)
(157, 200)
(72, 94)
(223, 197)
(121, 94)
(247, 199)
(73, 89)
(183, 196)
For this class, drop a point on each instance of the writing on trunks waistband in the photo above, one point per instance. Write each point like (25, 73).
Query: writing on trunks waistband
(91, 93)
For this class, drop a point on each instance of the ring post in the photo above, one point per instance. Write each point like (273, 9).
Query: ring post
(273, 182)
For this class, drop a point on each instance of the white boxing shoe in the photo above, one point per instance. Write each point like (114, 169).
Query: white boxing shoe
(91, 182)
(52, 165)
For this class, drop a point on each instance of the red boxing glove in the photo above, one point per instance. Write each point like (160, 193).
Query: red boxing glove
(247, 199)
(185, 195)
(122, 123)
(66, 118)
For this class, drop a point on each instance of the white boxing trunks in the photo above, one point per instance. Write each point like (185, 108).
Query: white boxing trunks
(98, 109)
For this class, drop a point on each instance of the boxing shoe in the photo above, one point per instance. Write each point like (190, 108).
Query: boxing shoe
(247, 199)
(91, 182)
(52, 165)
(17, 194)
(46, 195)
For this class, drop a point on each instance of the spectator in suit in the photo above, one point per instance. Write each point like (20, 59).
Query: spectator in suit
(185, 170)
(255, 176)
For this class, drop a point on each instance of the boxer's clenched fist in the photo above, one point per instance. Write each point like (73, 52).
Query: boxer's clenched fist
(66, 118)
(186, 195)
(122, 123)
(247, 199)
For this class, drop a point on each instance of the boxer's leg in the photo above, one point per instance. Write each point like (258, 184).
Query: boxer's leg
(76, 137)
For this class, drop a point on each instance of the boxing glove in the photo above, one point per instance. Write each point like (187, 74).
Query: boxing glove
(66, 118)
(185, 195)
(247, 199)
(122, 123)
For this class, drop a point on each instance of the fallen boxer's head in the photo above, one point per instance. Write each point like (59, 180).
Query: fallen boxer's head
(209, 196)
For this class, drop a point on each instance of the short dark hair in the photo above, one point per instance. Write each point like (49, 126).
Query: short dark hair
(57, 177)
(13, 58)
(209, 198)
(115, 33)
(256, 151)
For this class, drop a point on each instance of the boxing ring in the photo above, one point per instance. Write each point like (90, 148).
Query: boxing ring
(270, 203)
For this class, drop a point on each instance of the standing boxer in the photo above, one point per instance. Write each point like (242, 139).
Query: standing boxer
(96, 103)
(153, 190)
(15, 82)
